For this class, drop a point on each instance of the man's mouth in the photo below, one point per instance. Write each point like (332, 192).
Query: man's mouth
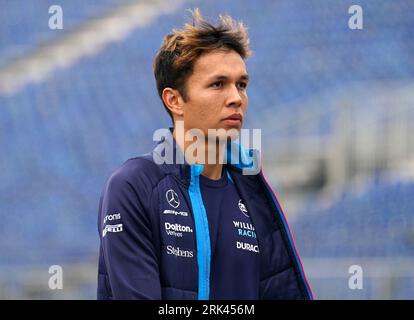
(233, 120)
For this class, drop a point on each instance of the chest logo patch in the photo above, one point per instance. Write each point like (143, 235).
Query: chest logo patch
(172, 198)
(243, 208)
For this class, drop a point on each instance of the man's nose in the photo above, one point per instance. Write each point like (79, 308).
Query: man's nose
(234, 98)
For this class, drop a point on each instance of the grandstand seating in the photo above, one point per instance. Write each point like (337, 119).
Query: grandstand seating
(25, 23)
(377, 222)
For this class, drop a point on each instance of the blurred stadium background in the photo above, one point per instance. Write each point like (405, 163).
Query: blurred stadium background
(336, 109)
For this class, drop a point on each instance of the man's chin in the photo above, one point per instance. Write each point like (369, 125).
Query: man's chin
(225, 134)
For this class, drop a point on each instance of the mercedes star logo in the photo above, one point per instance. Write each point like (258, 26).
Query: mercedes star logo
(172, 198)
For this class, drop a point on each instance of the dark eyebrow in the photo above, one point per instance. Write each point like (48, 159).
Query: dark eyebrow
(245, 77)
(222, 77)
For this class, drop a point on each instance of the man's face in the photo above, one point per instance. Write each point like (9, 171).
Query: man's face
(216, 92)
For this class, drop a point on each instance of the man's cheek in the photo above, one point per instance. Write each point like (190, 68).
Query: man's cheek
(204, 115)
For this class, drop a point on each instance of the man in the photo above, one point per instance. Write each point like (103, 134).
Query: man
(191, 228)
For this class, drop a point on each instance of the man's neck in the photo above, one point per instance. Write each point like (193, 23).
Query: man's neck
(211, 170)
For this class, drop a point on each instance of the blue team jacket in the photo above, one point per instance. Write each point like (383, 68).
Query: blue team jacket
(138, 260)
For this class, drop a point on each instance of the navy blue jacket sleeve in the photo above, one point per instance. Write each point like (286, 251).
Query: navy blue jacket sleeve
(129, 257)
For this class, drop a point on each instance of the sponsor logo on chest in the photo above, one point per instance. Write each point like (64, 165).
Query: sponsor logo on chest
(178, 252)
(247, 246)
(176, 229)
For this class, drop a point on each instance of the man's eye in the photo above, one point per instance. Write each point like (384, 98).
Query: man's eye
(217, 84)
(242, 85)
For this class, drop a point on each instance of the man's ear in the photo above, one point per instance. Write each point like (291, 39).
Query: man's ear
(174, 101)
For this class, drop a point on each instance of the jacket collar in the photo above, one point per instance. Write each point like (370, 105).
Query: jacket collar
(169, 155)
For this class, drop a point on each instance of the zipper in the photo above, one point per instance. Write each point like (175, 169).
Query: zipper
(202, 233)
